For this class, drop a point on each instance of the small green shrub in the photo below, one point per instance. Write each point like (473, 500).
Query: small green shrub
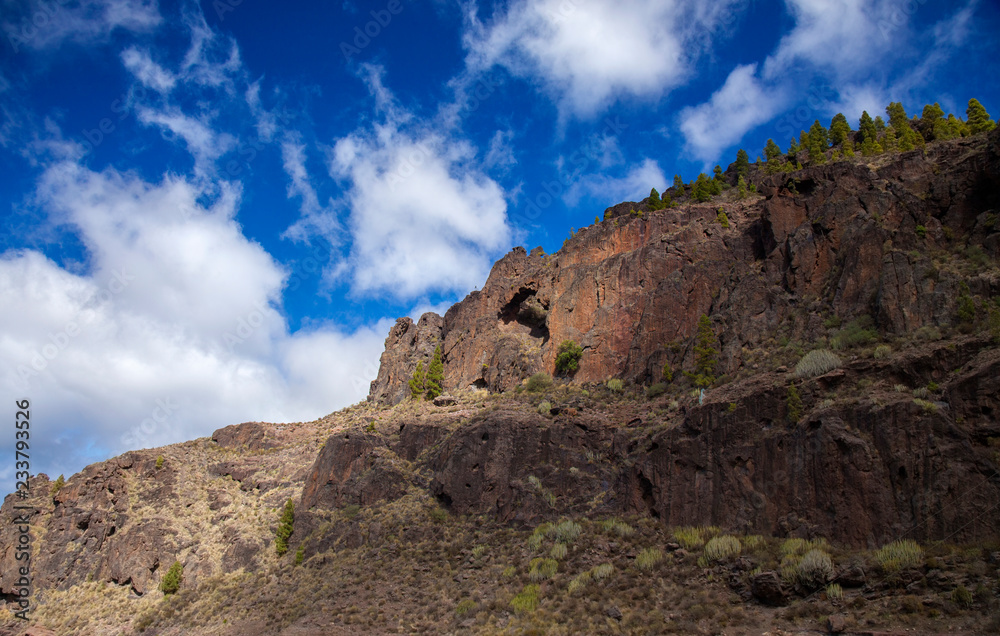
(286, 526)
(566, 531)
(690, 538)
(602, 571)
(615, 385)
(579, 582)
(351, 510)
(558, 551)
(962, 597)
(464, 607)
(159, 462)
(437, 515)
(926, 406)
(793, 404)
(172, 579)
(882, 351)
(542, 569)
(300, 554)
(858, 332)
(722, 219)
(815, 569)
(899, 555)
(817, 362)
(544, 408)
(921, 231)
(834, 592)
(617, 527)
(668, 372)
(568, 357)
(722, 548)
(539, 383)
(509, 572)
(526, 600)
(933, 387)
(648, 558)
(478, 551)
(57, 485)
(656, 390)
(966, 311)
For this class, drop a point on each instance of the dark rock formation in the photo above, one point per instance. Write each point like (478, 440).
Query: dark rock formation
(839, 239)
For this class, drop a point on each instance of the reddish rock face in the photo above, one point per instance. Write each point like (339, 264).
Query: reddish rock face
(839, 238)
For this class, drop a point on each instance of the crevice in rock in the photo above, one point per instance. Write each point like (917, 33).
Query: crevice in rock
(646, 488)
(528, 311)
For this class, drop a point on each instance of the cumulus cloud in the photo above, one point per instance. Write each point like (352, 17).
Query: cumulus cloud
(741, 104)
(423, 217)
(175, 328)
(587, 53)
(840, 36)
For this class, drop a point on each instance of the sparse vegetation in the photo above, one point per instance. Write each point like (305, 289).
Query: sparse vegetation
(817, 362)
(722, 548)
(648, 559)
(539, 383)
(793, 404)
(172, 579)
(286, 526)
(159, 462)
(615, 385)
(899, 555)
(57, 485)
(568, 357)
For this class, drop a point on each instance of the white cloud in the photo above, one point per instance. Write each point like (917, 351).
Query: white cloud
(633, 186)
(741, 104)
(315, 219)
(151, 74)
(203, 142)
(842, 37)
(423, 216)
(500, 155)
(587, 53)
(46, 25)
(177, 319)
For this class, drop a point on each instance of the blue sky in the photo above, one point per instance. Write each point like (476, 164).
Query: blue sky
(213, 212)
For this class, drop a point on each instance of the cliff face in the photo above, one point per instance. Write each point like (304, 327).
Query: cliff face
(837, 240)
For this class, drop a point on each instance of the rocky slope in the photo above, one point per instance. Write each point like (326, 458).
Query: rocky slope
(407, 512)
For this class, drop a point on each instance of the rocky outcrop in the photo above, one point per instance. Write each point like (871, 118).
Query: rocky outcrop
(837, 240)
(860, 472)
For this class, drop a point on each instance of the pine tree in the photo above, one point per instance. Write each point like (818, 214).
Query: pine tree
(57, 485)
(804, 140)
(879, 124)
(818, 142)
(418, 381)
(717, 173)
(978, 119)
(678, 184)
(890, 142)
(741, 188)
(654, 200)
(958, 127)
(701, 189)
(933, 125)
(704, 354)
(772, 151)
(793, 149)
(866, 127)
(742, 163)
(900, 122)
(435, 375)
(286, 526)
(840, 130)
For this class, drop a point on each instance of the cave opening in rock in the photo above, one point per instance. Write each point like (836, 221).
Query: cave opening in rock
(646, 488)
(527, 310)
(444, 499)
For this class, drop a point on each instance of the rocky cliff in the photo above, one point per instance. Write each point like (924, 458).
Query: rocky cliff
(893, 263)
(839, 240)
